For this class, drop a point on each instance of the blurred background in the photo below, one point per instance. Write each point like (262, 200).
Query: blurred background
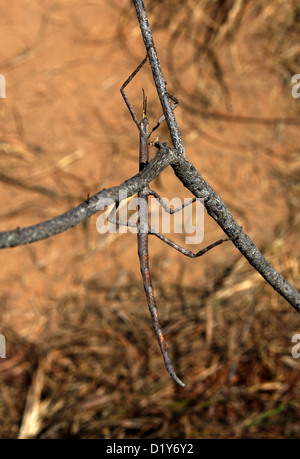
(82, 358)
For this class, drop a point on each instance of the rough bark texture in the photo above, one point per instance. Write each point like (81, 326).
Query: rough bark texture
(217, 209)
(185, 172)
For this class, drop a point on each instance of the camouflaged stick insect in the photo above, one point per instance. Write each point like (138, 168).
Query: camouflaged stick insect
(142, 226)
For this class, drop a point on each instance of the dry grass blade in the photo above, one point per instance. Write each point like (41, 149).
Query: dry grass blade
(81, 358)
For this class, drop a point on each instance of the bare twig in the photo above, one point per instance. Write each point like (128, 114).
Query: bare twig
(218, 210)
(191, 178)
(89, 207)
(158, 76)
(184, 171)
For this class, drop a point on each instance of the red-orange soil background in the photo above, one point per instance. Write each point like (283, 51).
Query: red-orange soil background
(82, 358)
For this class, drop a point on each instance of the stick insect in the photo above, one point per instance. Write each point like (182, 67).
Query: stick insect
(143, 228)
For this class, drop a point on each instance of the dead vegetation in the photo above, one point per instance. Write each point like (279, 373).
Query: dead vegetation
(82, 359)
(97, 372)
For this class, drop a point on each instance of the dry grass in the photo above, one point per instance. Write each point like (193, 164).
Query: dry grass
(97, 373)
(92, 368)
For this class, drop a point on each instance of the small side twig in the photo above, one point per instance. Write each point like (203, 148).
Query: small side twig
(185, 172)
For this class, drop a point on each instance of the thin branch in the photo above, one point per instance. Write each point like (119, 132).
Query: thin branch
(217, 209)
(89, 207)
(185, 172)
(191, 178)
(195, 183)
(158, 76)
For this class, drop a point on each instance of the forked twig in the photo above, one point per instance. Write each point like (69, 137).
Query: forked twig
(184, 170)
